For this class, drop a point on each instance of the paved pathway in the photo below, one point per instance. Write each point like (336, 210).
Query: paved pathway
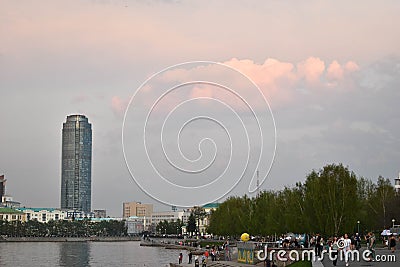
(382, 253)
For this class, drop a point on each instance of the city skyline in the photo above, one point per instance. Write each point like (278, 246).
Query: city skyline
(330, 71)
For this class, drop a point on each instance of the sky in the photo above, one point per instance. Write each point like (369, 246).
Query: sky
(329, 70)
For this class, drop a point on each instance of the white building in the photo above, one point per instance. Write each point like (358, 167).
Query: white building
(44, 215)
(77, 214)
(7, 201)
(169, 216)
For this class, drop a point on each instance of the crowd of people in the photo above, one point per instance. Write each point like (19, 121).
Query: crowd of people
(343, 244)
(212, 253)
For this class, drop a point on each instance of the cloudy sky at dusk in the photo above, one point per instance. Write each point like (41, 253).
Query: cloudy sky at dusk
(330, 71)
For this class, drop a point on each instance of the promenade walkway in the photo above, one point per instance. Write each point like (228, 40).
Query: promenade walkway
(220, 264)
(382, 254)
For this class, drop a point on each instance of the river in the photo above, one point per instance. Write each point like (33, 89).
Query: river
(78, 254)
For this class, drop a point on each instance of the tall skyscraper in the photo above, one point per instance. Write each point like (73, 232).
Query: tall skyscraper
(76, 164)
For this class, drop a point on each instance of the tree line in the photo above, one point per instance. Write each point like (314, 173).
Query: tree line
(331, 201)
(62, 228)
(173, 227)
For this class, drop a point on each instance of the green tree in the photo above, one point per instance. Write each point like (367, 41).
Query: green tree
(191, 224)
(331, 200)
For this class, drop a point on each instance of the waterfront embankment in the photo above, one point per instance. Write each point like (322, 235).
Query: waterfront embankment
(70, 239)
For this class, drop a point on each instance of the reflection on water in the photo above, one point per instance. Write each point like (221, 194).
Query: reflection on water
(78, 254)
(74, 253)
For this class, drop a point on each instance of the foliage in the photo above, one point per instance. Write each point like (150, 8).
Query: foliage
(191, 224)
(62, 228)
(330, 201)
(165, 227)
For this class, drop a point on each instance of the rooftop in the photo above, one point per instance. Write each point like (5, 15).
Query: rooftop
(211, 206)
(38, 209)
(9, 210)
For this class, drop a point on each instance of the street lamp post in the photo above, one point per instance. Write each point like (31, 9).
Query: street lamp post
(393, 222)
(358, 227)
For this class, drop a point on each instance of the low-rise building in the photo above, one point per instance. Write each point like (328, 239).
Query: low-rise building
(169, 216)
(44, 215)
(204, 223)
(9, 214)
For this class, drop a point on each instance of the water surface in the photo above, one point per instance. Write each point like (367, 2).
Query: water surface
(84, 254)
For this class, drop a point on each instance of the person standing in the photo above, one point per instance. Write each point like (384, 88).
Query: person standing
(358, 241)
(180, 257)
(318, 248)
(190, 255)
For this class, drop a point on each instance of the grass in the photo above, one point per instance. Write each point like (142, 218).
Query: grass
(301, 264)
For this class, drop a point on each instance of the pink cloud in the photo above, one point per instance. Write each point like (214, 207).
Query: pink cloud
(311, 69)
(204, 91)
(351, 66)
(119, 105)
(277, 80)
(334, 71)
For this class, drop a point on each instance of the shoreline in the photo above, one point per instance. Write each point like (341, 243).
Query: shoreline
(70, 239)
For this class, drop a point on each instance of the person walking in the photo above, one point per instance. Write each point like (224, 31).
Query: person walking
(346, 248)
(367, 237)
(334, 250)
(204, 260)
(392, 243)
(371, 245)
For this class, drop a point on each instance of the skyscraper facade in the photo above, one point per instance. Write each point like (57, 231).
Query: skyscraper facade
(76, 164)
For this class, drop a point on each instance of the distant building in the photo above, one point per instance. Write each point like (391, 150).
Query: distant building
(78, 214)
(76, 164)
(169, 216)
(43, 215)
(397, 184)
(2, 187)
(137, 209)
(7, 201)
(135, 225)
(100, 213)
(204, 222)
(210, 207)
(11, 215)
